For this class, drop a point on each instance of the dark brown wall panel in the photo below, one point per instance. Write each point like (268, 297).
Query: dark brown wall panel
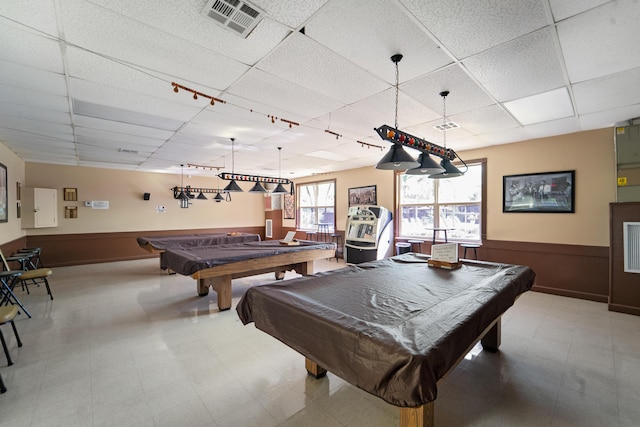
(624, 289)
(74, 249)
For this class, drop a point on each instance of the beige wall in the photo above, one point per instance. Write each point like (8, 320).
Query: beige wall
(590, 154)
(127, 209)
(11, 229)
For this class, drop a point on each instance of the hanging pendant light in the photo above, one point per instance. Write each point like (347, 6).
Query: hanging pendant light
(396, 158)
(218, 198)
(201, 196)
(257, 188)
(233, 185)
(183, 197)
(449, 170)
(280, 188)
(427, 166)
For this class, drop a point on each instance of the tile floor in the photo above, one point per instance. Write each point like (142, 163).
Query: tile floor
(124, 344)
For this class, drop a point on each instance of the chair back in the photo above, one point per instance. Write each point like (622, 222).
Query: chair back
(4, 261)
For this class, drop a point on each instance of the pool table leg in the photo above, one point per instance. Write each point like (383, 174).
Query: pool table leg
(491, 340)
(221, 285)
(313, 369)
(422, 416)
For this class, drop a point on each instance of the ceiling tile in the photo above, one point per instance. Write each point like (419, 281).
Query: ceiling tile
(603, 119)
(487, 119)
(376, 30)
(553, 127)
(468, 27)
(21, 76)
(39, 15)
(29, 98)
(610, 92)
(464, 93)
(563, 9)
(30, 49)
(306, 63)
(519, 68)
(601, 41)
(290, 12)
(268, 89)
(543, 107)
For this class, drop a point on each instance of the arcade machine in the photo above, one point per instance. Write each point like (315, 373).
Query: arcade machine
(369, 234)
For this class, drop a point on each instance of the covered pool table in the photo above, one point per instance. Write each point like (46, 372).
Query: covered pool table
(392, 327)
(215, 266)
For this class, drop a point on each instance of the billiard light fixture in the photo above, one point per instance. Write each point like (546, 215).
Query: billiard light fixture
(398, 159)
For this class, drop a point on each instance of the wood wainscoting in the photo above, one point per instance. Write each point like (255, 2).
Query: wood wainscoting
(567, 270)
(90, 248)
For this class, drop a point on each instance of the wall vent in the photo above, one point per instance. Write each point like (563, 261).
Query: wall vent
(268, 229)
(237, 16)
(631, 242)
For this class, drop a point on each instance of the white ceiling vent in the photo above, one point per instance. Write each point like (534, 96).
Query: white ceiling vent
(446, 126)
(238, 16)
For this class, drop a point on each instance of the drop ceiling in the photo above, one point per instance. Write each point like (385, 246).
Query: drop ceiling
(89, 82)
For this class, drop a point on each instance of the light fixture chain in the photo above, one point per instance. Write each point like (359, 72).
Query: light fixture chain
(444, 120)
(397, 82)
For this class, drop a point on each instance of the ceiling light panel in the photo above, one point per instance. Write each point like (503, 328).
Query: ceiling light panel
(124, 116)
(543, 107)
(598, 42)
(310, 65)
(467, 28)
(364, 23)
(144, 104)
(519, 68)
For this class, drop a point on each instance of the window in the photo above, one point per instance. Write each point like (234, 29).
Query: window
(317, 205)
(456, 203)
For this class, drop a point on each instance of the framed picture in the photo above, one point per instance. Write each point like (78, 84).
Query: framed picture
(289, 206)
(545, 192)
(363, 196)
(4, 194)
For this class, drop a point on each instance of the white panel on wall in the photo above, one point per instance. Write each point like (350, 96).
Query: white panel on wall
(268, 229)
(631, 236)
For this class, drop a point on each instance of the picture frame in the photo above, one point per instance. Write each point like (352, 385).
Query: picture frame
(4, 194)
(542, 192)
(363, 196)
(289, 206)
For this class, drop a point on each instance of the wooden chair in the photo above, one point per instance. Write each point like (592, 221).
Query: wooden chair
(7, 314)
(30, 277)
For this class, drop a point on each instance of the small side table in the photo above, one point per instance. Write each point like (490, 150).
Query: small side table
(416, 242)
(466, 246)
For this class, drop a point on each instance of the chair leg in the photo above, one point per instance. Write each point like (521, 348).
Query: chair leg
(46, 282)
(3, 388)
(6, 350)
(15, 331)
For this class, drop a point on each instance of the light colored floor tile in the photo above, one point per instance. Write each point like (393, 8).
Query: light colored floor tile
(125, 344)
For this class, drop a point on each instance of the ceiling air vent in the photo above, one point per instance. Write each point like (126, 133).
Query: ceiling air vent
(446, 126)
(238, 16)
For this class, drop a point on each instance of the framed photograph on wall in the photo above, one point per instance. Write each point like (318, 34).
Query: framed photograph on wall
(4, 194)
(544, 192)
(289, 206)
(363, 196)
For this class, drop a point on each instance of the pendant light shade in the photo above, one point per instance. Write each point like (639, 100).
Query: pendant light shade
(218, 198)
(201, 196)
(233, 186)
(280, 190)
(257, 188)
(397, 159)
(450, 171)
(427, 166)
